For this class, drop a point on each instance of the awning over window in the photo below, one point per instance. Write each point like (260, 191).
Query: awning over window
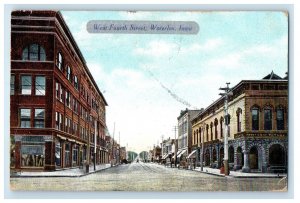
(192, 155)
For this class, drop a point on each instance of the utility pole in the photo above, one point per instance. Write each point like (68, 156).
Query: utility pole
(227, 121)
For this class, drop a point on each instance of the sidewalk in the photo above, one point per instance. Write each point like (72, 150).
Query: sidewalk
(235, 174)
(239, 174)
(72, 172)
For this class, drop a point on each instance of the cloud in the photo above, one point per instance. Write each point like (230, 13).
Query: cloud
(156, 49)
(209, 45)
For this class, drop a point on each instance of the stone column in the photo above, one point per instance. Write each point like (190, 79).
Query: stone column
(246, 167)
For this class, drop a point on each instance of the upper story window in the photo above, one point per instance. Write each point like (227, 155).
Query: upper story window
(26, 84)
(255, 118)
(59, 61)
(40, 85)
(267, 119)
(69, 73)
(33, 52)
(280, 119)
(76, 82)
(25, 118)
(12, 84)
(39, 118)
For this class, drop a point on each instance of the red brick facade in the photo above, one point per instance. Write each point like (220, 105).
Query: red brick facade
(56, 105)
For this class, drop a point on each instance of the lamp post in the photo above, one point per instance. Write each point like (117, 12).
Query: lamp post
(227, 121)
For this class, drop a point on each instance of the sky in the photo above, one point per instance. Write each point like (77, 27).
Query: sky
(135, 71)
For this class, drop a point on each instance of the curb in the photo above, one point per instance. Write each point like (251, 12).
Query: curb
(58, 176)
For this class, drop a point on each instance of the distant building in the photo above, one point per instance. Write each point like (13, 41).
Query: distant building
(185, 133)
(258, 129)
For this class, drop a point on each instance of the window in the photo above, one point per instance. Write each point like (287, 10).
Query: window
(33, 52)
(61, 118)
(66, 124)
(207, 126)
(67, 155)
(69, 73)
(61, 93)
(211, 131)
(76, 82)
(221, 126)
(12, 84)
(57, 86)
(216, 128)
(238, 116)
(39, 118)
(280, 119)
(268, 119)
(26, 84)
(25, 118)
(57, 153)
(59, 61)
(68, 102)
(40, 85)
(255, 119)
(57, 121)
(75, 154)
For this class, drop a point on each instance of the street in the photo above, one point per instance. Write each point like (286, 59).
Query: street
(148, 177)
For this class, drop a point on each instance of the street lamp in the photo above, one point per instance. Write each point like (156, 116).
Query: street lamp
(227, 120)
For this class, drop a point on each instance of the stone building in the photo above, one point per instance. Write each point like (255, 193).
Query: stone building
(258, 129)
(185, 133)
(57, 112)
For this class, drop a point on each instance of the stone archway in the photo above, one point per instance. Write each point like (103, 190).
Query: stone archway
(214, 155)
(239, 158)
(230, 154)
(276, 155)
(207, 157)
(221, 156)
(253, 158)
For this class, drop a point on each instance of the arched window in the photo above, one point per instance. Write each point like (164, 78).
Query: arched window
(255, 117)
(267, 118)
(238, 116)
(216, 128)
(59, 61)
(33, 52)
(211, 131)
(280, 118)
(221, 126)
(200, 135)
(207, 126)
(197, 138)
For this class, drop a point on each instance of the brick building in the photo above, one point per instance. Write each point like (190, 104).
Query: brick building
(258, 129)
(57, 112)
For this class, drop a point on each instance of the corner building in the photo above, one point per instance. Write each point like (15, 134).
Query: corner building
(258, 129)
(57, 112)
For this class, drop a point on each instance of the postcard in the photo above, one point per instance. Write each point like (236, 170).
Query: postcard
(160, 101)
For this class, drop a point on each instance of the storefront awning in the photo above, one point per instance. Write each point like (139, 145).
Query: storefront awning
(192, 155)
(164, 156)
(182, 152)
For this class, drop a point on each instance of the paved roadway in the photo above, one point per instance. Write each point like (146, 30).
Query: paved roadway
(148, 177)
